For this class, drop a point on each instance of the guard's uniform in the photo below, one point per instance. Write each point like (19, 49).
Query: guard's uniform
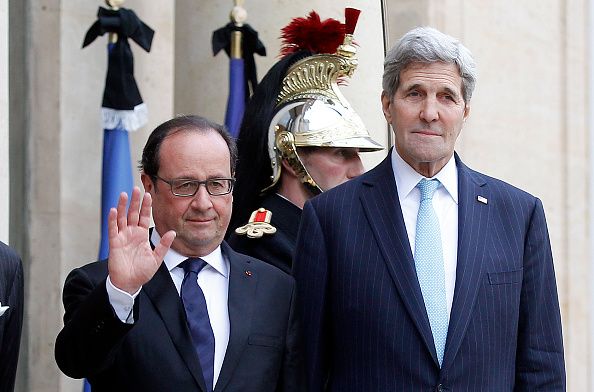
(276, 248)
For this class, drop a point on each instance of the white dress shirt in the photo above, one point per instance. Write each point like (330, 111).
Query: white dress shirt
(445, 203)
(213, 279)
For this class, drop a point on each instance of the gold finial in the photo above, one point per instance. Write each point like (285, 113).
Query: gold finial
(238, 13)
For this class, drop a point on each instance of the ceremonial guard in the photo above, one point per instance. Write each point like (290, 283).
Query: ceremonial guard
(299, 137)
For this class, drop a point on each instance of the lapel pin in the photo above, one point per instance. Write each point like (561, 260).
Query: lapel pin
(482, 199)
(248, 273)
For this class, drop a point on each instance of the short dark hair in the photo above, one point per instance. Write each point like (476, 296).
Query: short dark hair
(149, 164)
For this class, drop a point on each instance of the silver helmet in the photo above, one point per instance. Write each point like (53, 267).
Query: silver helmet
(312, 112)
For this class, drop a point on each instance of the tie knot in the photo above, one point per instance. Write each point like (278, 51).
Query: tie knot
(193, 264)
(427, 188)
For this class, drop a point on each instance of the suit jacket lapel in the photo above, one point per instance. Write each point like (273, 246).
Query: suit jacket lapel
(473, 218)
(379, 197)
(242, 291)
(162, 293)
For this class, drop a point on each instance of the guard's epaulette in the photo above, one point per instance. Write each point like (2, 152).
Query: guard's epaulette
(258, 225)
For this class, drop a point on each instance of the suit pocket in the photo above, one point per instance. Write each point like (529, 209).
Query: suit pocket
(265, 340)
(507, 277)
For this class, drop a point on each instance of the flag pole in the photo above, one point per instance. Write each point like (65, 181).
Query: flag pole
(113, 5)
(237, 95)
(238, 16)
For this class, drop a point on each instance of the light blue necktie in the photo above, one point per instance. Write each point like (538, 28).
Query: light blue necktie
(429, 265)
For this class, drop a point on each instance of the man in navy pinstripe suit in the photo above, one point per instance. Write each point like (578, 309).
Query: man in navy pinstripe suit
(364, 309)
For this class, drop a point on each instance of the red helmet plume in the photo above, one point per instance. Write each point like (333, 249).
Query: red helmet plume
(312, 34)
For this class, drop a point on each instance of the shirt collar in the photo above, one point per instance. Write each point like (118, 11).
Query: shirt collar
(173, 259)
(407, 178)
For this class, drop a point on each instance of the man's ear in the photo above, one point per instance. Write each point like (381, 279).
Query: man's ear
(466, 111)
(386, 103)
(287, 168)
(147, 183)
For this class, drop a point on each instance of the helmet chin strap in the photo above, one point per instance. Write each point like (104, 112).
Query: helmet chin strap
(314, 190)
(285, 144)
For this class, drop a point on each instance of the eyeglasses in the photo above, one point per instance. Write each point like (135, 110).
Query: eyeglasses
(185, 187)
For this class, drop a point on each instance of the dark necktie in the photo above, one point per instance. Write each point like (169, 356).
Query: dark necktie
(197, 318)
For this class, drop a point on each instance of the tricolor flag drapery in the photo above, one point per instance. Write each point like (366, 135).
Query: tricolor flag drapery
(122, 109)
(240, 42)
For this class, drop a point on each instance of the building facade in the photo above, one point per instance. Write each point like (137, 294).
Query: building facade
(530, 126)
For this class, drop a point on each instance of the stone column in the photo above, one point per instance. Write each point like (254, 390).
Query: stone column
(43, 265)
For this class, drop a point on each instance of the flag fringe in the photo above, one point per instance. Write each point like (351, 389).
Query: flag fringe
(129, 120)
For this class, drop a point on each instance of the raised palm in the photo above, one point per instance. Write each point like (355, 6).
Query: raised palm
(132, 262)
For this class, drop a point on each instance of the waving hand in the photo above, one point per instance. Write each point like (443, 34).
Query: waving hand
(131, 261)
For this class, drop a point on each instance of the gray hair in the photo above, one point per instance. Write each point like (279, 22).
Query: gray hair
(428, 45)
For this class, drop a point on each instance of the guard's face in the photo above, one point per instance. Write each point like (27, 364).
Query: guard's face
(331, 166)
(199, 221)
(427, 113)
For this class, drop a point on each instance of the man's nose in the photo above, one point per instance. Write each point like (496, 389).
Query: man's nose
(429, 110)
(202, 199)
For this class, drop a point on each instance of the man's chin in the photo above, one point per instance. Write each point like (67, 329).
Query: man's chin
(199, 242)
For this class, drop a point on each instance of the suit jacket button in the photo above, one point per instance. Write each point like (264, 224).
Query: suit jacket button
(99, 326)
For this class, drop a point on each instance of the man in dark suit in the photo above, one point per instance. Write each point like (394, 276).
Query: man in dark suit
(207, 317)
(422, 274)
(11, 315)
